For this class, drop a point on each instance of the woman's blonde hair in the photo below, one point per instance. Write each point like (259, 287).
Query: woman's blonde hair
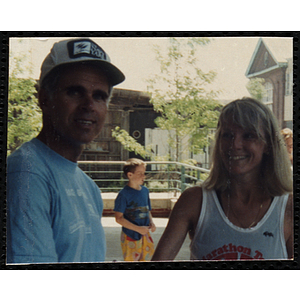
(252, 115)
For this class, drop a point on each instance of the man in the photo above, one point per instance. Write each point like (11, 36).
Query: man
(54, 209)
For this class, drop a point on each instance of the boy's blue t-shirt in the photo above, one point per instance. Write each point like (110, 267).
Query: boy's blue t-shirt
(54, 209)
(135, 205)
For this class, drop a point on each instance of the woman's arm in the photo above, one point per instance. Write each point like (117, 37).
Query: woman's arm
(183, 219)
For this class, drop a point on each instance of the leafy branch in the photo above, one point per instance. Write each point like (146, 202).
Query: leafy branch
(129, 143)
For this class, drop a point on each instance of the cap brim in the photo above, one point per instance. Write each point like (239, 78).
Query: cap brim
(114, 75)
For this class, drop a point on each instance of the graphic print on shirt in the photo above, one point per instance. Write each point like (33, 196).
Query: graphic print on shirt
(78, 222)
(233, 252)
(267, 233)
(216, 238)
(67, 228)
(135, 212)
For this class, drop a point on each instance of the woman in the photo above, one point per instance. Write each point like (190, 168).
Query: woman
(244, 208)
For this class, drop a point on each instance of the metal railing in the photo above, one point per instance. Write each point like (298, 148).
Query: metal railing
(161, 176)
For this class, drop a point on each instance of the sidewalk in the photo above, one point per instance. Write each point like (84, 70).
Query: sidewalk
(113, 232)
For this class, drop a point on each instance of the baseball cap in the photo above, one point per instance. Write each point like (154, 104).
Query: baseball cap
(80, 50)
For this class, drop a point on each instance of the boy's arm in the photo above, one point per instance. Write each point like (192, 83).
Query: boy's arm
(143, 230)
(152, 225)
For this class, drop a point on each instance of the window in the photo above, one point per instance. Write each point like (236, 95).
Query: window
(288, 84)
(136, 134)
(268, 98)
(266, 58)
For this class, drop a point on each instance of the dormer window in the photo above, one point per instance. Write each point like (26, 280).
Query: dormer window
(268, 98)
(266, 58)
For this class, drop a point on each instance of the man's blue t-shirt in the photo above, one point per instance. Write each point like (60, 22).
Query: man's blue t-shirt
(135, 206)
(54, 209)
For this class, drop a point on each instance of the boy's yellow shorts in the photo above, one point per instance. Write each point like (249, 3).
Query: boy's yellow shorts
(137, 250)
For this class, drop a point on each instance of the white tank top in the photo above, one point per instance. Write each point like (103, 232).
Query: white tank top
(216, 238)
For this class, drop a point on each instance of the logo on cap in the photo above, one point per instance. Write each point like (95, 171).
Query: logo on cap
(85, 48)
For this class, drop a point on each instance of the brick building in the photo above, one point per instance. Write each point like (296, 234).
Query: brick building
(272, 60)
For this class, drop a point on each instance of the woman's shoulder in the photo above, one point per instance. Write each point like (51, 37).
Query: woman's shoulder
(188, 206)
(191, 199)
(194, 191)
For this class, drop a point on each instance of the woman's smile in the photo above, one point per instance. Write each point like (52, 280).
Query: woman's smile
(242, 150)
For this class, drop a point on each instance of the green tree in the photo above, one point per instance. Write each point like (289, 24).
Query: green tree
(24, 114)
(256, 88)
(181, 94)
(129, 143)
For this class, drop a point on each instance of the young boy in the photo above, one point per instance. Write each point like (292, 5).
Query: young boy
(132, 211)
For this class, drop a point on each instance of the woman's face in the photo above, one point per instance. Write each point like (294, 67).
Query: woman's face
(241, 150)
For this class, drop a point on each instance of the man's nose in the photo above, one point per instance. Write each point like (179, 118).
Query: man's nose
(88, 102)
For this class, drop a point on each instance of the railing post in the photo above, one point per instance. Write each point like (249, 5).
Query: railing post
(182, 179)
(169, 184)
(179, 169)
(198, 175)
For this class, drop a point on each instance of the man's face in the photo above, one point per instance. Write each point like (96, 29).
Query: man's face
(77, 110)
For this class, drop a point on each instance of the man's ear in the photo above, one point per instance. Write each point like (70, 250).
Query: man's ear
(43, 98)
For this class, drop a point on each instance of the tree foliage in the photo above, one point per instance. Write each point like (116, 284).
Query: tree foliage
(129, 143)
(181, 94)
(24, 114)
(256, 88)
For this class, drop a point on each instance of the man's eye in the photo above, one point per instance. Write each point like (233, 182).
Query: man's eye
(74, 92)
(100, 96)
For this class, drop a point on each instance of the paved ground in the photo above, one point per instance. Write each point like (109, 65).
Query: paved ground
(113, 232)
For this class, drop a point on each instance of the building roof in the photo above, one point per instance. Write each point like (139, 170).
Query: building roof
(129, 99)
(280, 50)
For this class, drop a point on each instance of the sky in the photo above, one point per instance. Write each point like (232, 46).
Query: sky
(135, 57)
